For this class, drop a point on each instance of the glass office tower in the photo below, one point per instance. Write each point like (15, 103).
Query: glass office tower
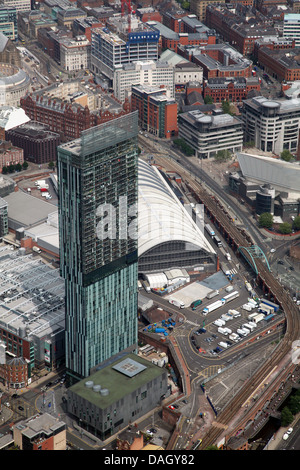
(97, 181)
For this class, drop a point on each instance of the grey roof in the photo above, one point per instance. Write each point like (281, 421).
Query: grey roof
(27, 210)
(280, 174)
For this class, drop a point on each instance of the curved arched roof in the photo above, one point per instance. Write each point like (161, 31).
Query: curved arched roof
(161, 216)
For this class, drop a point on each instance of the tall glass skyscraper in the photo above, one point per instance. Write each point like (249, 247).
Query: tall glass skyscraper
(97, 181)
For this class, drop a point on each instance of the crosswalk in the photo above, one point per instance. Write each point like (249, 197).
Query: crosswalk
(191, 323)
(233, 271)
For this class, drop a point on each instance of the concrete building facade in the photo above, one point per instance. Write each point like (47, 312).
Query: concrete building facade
(210, 134)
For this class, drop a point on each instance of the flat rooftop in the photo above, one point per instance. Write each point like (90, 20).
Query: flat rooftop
(139, 372)
(31, 295)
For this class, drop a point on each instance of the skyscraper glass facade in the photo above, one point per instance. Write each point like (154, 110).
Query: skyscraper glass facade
(97, 180)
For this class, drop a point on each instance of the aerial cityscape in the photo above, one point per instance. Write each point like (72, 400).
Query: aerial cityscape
(150, 227)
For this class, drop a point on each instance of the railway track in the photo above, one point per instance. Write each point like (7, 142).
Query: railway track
(288, 306)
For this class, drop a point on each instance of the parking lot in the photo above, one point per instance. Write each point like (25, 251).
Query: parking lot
(224, 331)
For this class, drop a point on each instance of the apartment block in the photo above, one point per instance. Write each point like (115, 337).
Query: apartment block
(100, 269)
(157, 113)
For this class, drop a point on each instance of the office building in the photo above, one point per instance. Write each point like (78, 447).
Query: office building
(155, 73)
(291, 27)
(116, 45)
(98, 257)
(267, 184)
(8, 22)
(19, 5)
(272, 125)
(75, 53)
(37, 141)
(210, 134)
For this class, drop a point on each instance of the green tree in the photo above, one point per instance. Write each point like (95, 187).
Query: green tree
(11, 169)
(223, 155)
(265, 220)
(4, 170)
(286, 156)
(249, 144)
(51, 165)
(18, 167)
(285, 228)
(296, 223)
(226, 106)
(208, 99)
(212, 448)
(286, 417)
(25, 165)
(294, 404)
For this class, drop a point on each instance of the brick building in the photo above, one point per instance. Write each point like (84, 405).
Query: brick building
(37, 141)
(40, 432)
(10, 155)
(14, 373)
(83, 26)
(171, 40)
(218, 60)
(66, 118)
(157, 114)
(280, 64)
(235, 29)
(232, 89)
(148, 14)
(275, 44)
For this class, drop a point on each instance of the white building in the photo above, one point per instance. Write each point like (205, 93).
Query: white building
(291, 27)
(11, 117)
(209, 134)
(19, 5)
(273, 125)
(112, 49)
(75, 53)
(153, 73)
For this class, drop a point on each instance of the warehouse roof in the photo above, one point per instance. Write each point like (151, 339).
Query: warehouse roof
(26, 210)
